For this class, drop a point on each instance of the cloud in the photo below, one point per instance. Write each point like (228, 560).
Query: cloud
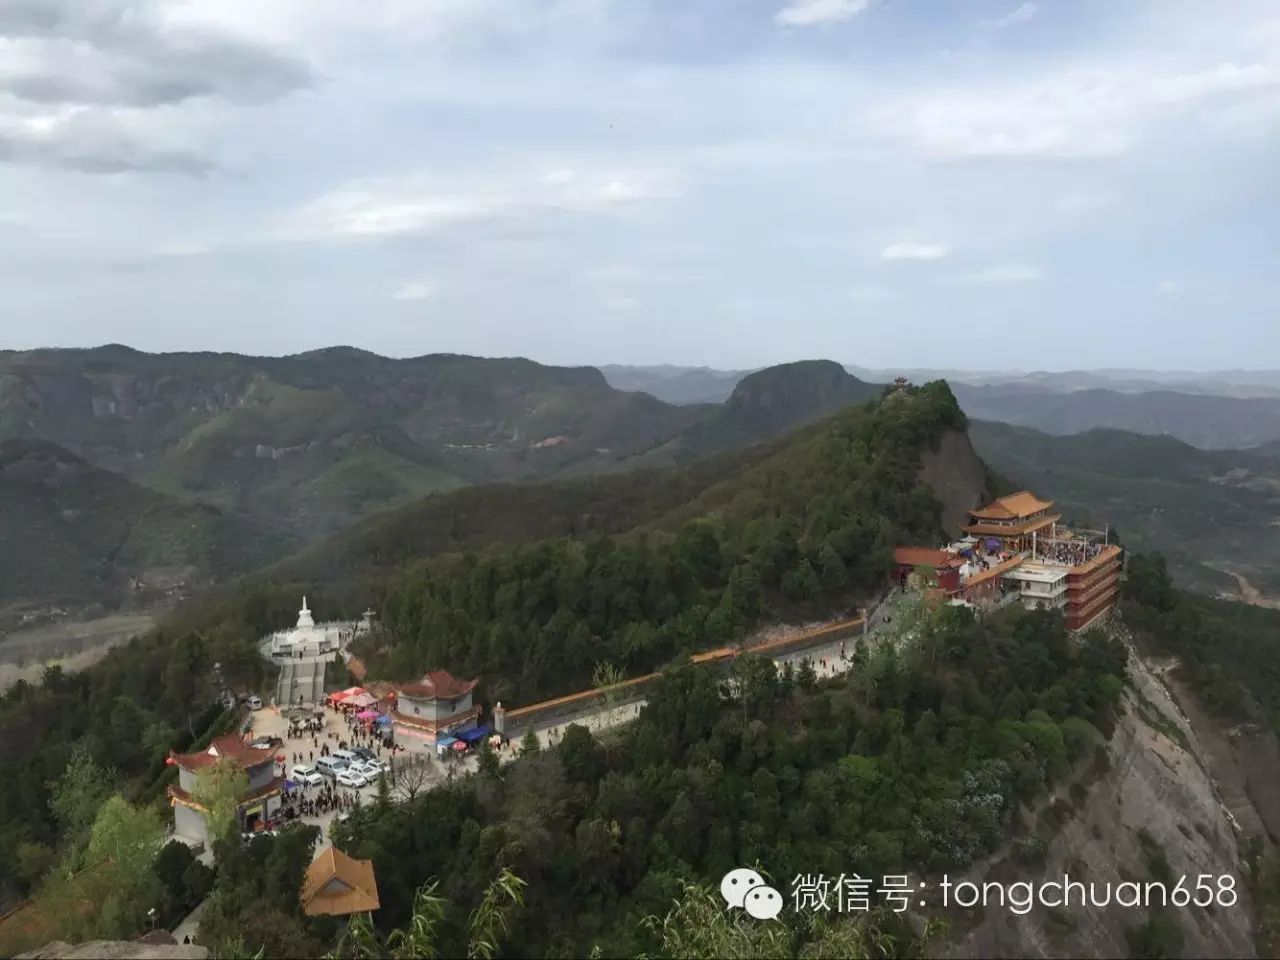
(1170, 288)
(91, 141)
(1007, 273)
(1071, 115)
(914, 251)
(90, 85)
(807, 13)
(365, 210)
(1020, 14)
(125, 53)
(415, 290)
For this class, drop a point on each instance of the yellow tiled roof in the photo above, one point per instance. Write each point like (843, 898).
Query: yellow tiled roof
(1013, 507)
(336, 885)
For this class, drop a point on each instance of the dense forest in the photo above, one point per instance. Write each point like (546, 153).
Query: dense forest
(807, 530)
(916, 762)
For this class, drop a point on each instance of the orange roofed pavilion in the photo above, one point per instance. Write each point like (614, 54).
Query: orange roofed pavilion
(337, 885)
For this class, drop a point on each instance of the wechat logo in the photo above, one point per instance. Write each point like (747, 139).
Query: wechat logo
(747, 890)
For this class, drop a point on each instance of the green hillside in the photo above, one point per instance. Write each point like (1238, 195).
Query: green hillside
(75, 536)
(1207, 511)
(312, 442)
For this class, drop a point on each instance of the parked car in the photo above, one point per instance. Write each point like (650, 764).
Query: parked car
(330, 767)
(364, 753)
(370, 769)
(254, 703)
(307, 774)
(351, 778)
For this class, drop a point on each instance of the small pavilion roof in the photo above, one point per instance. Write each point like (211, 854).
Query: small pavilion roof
(336, 885)
(924, 557)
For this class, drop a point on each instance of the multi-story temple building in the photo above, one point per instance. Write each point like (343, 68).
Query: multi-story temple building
(1017, 551)
(260, 800)
(437, 706)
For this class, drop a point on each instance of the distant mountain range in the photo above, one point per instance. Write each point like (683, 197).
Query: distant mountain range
(290, 449)
(1217, 411)
(676, 384)
(192, 467)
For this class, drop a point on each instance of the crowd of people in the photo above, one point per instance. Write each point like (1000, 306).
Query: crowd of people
(1070, 552)
(305, 801)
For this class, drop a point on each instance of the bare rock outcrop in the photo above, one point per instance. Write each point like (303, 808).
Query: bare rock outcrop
(958, 478)
(1154, 810)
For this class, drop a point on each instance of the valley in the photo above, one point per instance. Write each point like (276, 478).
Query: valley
(71, 645)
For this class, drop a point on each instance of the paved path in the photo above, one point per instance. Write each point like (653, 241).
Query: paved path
(190, 925)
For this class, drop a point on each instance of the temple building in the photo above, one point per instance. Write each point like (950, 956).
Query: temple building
(438, 706)
(940, 568)
(1017, 551)
(1093, 588)
(1012, 523)
(260, 800)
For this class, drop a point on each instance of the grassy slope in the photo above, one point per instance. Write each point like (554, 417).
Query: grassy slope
(1160, 493)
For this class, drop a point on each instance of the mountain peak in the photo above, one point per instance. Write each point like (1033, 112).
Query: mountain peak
(794, 391)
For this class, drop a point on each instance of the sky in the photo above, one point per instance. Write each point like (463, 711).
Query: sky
(987, 184)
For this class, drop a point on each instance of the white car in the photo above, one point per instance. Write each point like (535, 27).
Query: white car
(308, 775)
(352, 778)
(372, 769)
(254, 703)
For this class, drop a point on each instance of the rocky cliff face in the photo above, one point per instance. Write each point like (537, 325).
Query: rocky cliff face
(958, 477)
(1154, 803)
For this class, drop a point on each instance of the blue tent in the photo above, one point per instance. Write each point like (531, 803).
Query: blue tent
(475, 734)
(445, 742)
(383, 720)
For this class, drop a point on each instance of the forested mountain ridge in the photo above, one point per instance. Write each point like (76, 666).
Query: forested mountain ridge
(302, 446)
(809, 529)
(763, 404)
(1211, 411)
